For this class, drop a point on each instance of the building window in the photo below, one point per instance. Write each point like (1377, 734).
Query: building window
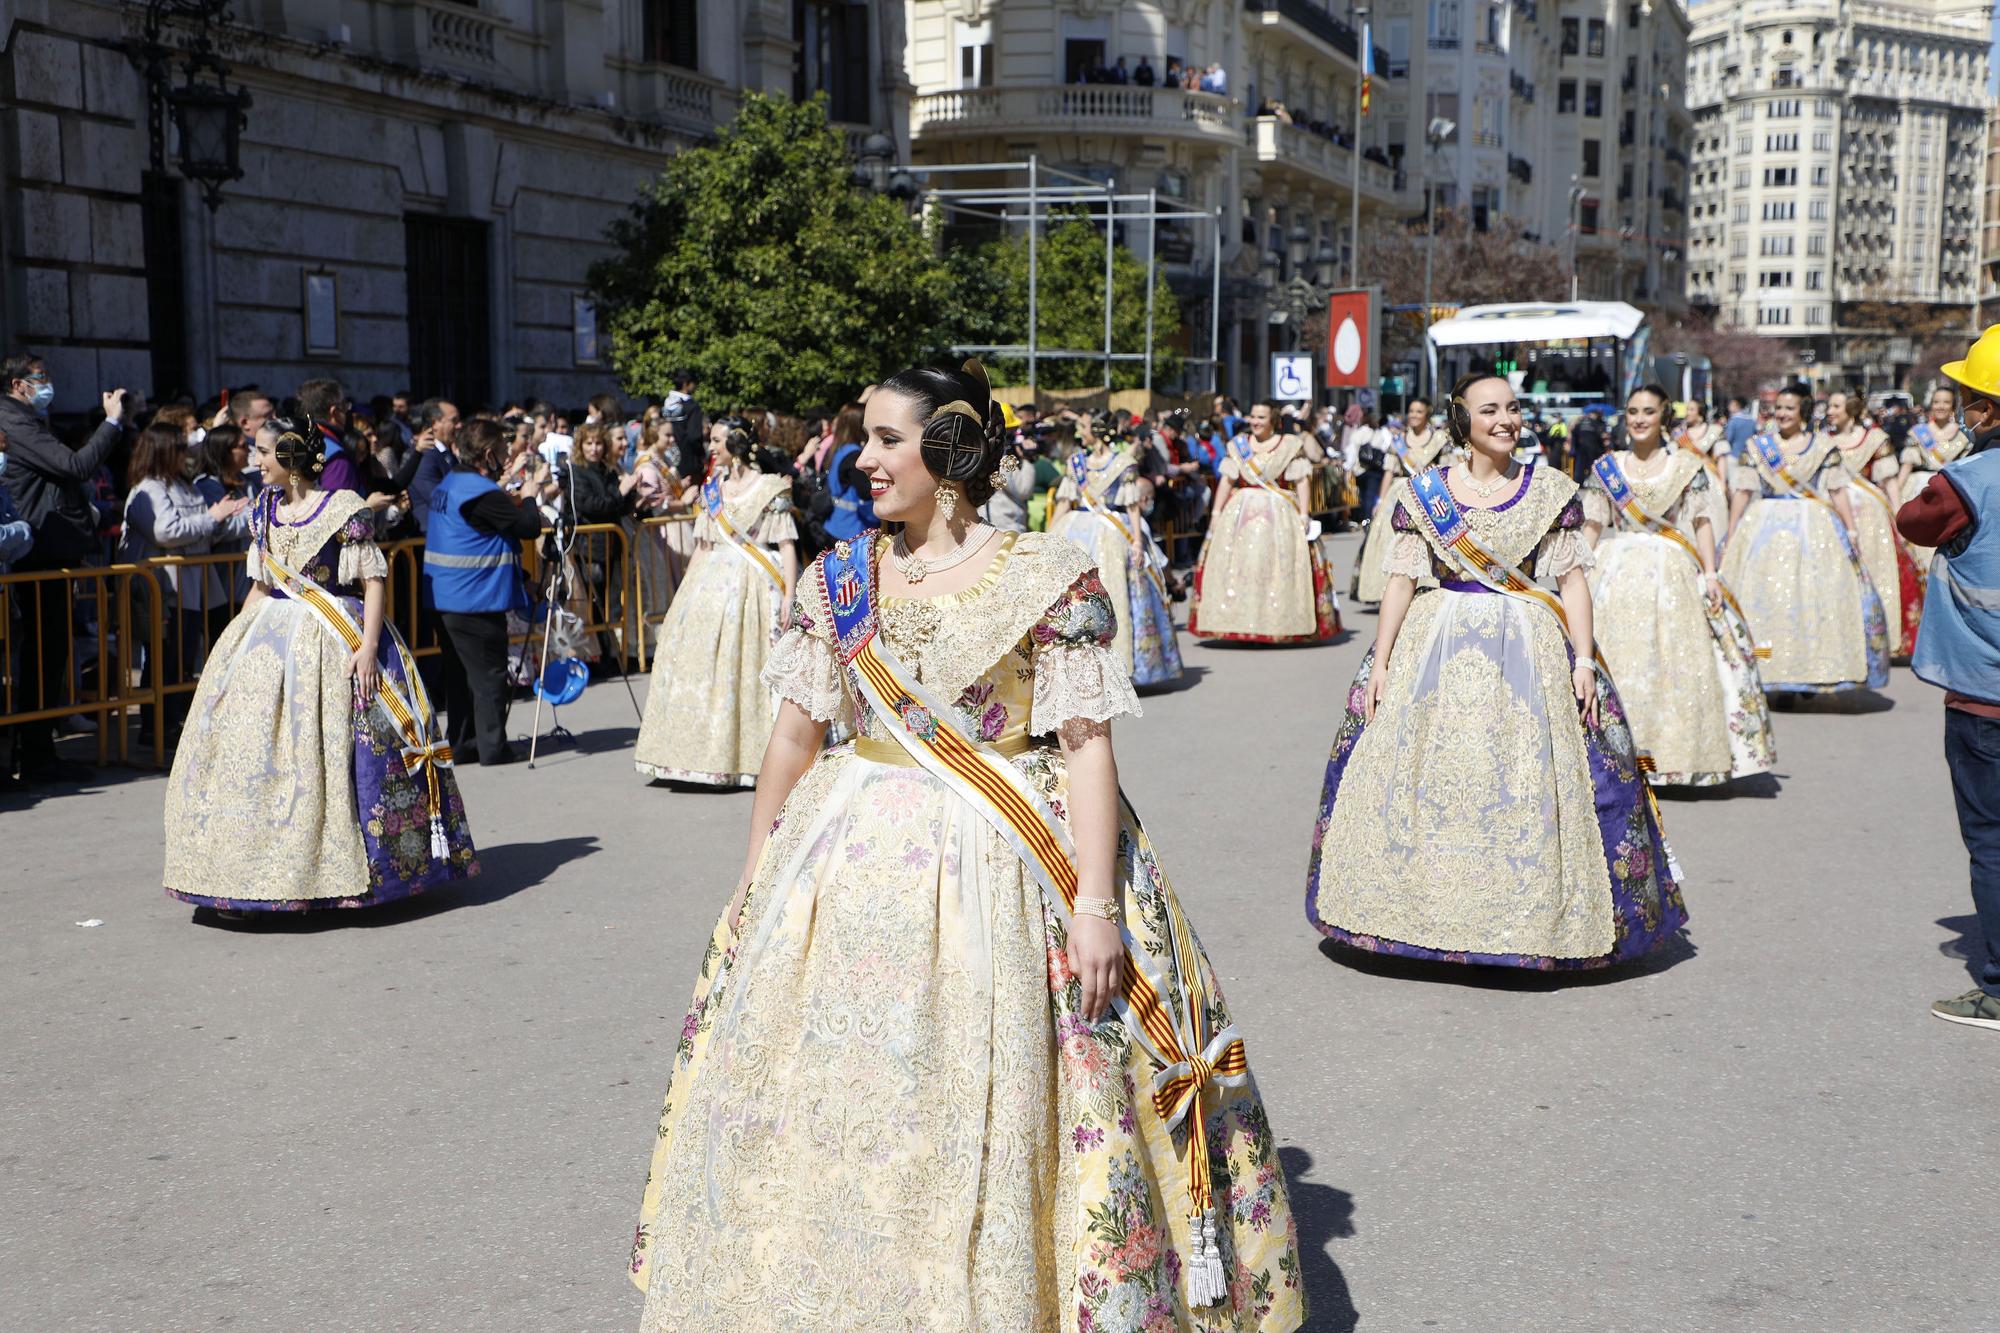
(1739, 212)
(1783, 108)
(667, 34)
(1815, 314)
(1736, 281)
(1593, 98)
(1566, 96)
(975, 56)
(1593, 44)
(1774, 278)
(1742, 178)
(1081, 56)
(1822, 141)
(1484, 200)
(1819, 175)
(1780, 210)
(1571, 31)
(1774, 314)
(832, 57)
(1775, 245)
(1816, 210)
(1444, 24)
(1781, 143)
(1814, 278)
(1743, 145)
(1586, 217)
(1780, 176)
(1592, 152)
(1815, 245)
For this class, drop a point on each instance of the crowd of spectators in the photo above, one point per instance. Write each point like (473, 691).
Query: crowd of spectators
(1192, 78)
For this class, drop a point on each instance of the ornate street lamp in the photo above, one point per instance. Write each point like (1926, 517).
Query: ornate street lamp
(875, 168)
(208, 115)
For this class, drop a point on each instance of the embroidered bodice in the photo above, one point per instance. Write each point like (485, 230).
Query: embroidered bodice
(1818, 465)
(1869, 455)
(1951, 442)
(333, 545)
(1538, 530)
(1422, 452)
(1019, 653)
(1285, 462)
(760, 513)
(1112, 481)
(1677, 494)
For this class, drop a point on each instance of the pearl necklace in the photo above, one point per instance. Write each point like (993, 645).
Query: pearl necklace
(1482, 490)
(916, 568)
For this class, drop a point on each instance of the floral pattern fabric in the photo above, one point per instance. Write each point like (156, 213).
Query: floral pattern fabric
(1478, 758)
(285, 795)
(886, 1110)
(1145, 639)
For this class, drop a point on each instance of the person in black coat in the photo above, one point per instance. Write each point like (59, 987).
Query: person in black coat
(51, 486)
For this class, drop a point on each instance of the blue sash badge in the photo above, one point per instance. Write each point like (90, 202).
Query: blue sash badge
(846, 569)
(1613, 477)
(1436, 499)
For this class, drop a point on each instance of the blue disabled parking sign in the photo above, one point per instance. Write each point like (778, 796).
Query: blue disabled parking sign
(1291, 375)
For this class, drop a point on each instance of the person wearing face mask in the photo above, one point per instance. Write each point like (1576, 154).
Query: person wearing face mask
(1957, 514)
(51, 486)
(925, 1043)
(1669, 630)
(1794, 564)
(1484, 802)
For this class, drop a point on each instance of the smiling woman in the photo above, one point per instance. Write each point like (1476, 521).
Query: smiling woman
(1484, 802)
(955, 1058)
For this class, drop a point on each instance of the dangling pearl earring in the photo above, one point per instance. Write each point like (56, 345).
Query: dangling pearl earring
(947, 500)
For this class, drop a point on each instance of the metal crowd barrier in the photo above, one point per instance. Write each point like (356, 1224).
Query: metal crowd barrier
(121, 616)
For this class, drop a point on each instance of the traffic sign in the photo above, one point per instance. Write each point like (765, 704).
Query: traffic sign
(1291, 375)
(1351, 352)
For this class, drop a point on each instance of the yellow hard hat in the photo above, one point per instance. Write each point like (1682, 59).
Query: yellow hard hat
(1980, 370)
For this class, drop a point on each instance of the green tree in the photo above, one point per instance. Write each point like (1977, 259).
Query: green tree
(759, 266)
(991, 306)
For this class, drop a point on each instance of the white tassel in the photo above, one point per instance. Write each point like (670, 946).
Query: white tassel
(1206, 1282)
(440, 848)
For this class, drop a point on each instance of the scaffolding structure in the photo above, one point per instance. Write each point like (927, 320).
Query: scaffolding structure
(1049, 189)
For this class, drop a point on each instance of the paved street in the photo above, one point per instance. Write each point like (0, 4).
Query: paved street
(437, 1116)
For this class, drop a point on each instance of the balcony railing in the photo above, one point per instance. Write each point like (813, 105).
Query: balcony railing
(1314, 20)
(1072, 106)
(1288, 145)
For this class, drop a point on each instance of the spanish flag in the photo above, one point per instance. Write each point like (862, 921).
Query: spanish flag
(1367, 65)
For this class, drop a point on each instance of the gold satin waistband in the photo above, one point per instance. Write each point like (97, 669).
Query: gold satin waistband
(889, 752)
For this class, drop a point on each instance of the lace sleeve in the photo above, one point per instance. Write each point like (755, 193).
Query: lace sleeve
(776, 524)
(1408, 554)
(1077, 677)
(804, 668)
(1596, 506)
(1067, 493)
(1832, 474)
(1744, 477)
(360, 557)
(1563, 548)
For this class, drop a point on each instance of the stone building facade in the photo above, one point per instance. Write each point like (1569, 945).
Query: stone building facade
(1840, 150)
(426, 182)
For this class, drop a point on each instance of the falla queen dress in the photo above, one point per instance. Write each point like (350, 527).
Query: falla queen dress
(1479, 818)
(1798, 574)
(886, 1110)
(708, 715)
(286, 795)
(1871, 462)
(1687, 675)
(1101, 492)
(1406, 455)
(1260, 578)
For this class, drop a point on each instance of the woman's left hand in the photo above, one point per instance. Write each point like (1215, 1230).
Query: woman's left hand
(1712, 588)
(366, 673)
(1097, 956)
(1584, 681)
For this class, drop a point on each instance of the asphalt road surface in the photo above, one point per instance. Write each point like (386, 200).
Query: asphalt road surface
(437, 1115)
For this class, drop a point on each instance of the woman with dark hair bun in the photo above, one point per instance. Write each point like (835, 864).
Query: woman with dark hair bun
(1260, 577)
(1669, 628)
(1793, 561)
(708, 712)
(956, 1059)
(1872, 481)
(312, 773)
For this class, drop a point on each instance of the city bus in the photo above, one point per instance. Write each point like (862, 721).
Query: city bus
(1562, 356)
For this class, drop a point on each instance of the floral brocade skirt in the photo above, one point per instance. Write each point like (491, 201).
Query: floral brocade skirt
(1147, 643)
(886, 1111)
(1687, 677)
(1371, 579)
(709, 714)
(1807, 595)
(1259, 580)
(1476, 819)
(284, 795)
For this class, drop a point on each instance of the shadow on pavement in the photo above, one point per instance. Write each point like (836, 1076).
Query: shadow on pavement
(1965, 944)
(1850, 702)
(1190, 677)
(1324, 1215)
(503, 872)
(1481, 977)
(1758, 787)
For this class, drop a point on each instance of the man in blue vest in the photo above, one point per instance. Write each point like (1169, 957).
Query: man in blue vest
(847, 485)
(1958, 649)
(472, 579)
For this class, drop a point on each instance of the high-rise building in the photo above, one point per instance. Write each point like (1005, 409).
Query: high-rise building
(1839, 150)
(1989, 230)
(1570, 118)
(426, 182)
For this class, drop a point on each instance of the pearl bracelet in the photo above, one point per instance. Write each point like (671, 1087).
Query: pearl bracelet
(1103, 908)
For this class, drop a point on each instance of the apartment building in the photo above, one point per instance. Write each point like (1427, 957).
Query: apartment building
(426, 182)
(1839, 155)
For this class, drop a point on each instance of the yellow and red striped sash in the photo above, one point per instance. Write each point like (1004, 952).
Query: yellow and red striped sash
(1078, 473)
(711, 494)
(1619, 488)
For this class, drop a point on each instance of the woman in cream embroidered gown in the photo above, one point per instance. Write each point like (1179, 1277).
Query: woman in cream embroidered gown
(1483, 802)
(1146, 641)
(708, 713)
(289, 789)
(899, 1100)
(1794, 568)
(1873, 492)
(1937, 440)
(1685, 664)
(1424, 443)
(1259, 578)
